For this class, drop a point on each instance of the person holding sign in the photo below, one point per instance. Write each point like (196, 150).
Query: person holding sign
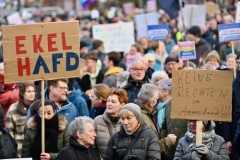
(213, 146)
(56, 135)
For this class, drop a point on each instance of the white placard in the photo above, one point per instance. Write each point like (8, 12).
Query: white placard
(116, 37)
(238, 13)
(14, 18)
(144, 20)
(193, 15)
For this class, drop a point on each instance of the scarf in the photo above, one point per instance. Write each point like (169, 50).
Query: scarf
(51, 136)
(207, 139)
(161, 113)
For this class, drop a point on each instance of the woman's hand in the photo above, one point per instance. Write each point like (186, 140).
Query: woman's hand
(45, 156)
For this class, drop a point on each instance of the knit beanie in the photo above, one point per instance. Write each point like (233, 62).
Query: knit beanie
(195, 30)
(213, 55)
(134, 108)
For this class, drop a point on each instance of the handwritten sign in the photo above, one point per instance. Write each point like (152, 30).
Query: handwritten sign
(41, 51)
(116, 37)
(229, 32)
(187, 50)
(158, 32)
(202, 95)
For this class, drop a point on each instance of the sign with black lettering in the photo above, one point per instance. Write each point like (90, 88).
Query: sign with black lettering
(202, 95)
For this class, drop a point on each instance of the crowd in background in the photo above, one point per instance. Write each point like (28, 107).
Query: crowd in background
(119, 105)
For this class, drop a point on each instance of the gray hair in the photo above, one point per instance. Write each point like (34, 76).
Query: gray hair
(166, 85)
(79, 124)
(159, 74)
(148, 92)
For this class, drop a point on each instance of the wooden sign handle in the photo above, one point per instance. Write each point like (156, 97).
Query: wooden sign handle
(199, 132)
(234, 63)
(43, 118)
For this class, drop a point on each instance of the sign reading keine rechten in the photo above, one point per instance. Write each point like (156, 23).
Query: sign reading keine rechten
(229, 32)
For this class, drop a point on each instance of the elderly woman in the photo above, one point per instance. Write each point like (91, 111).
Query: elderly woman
(213, 146)
(109, 122)
(157, 76)
(134, 140)
(56, 136)
(81, 141)
(17, 112)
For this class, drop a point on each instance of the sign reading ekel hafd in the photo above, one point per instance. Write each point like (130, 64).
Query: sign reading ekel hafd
(41, 51)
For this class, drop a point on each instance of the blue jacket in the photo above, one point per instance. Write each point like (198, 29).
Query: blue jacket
(76, 98)
(68, 110)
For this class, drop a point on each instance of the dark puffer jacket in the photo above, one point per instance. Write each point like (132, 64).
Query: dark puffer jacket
(133, 87)
(75, 151)
(145, 147)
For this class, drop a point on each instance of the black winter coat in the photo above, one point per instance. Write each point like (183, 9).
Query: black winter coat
(75, 151)
(146, 145)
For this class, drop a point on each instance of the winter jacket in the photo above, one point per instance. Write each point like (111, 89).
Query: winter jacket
(110, 77)
(63, 137)
(148, 117)
(145, 147)
(75, 151)
(133, 87)
(68, 110)
(235, 103)
(218, 150)
(236, 144)
(202, 49)
(9, 94)
(76, 98)
(15, 124)
(172, 126)
(105, 128)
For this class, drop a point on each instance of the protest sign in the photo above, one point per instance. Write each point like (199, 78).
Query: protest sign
(129, 8)
(41, 51)
(237, 20)
(151, 6)
(192, 15)
(116, 37)
(14, 18)
(144, 20)
(187, 50)
(202, 95)
(229, 32)
(158, 32)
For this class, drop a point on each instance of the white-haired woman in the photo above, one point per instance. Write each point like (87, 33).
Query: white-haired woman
(81, 141)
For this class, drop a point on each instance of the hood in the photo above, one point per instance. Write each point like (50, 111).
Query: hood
(114, 71)
(62, 123)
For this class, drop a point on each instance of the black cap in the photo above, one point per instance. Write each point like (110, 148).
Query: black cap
(171, 59)
(195, 30)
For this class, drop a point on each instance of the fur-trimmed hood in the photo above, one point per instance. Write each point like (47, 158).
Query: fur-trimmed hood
(62, 123)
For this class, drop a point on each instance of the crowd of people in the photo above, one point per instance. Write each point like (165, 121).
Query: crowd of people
(119, 105)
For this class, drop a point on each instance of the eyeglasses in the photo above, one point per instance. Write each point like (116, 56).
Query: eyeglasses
(62, 88)
(138, 69)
